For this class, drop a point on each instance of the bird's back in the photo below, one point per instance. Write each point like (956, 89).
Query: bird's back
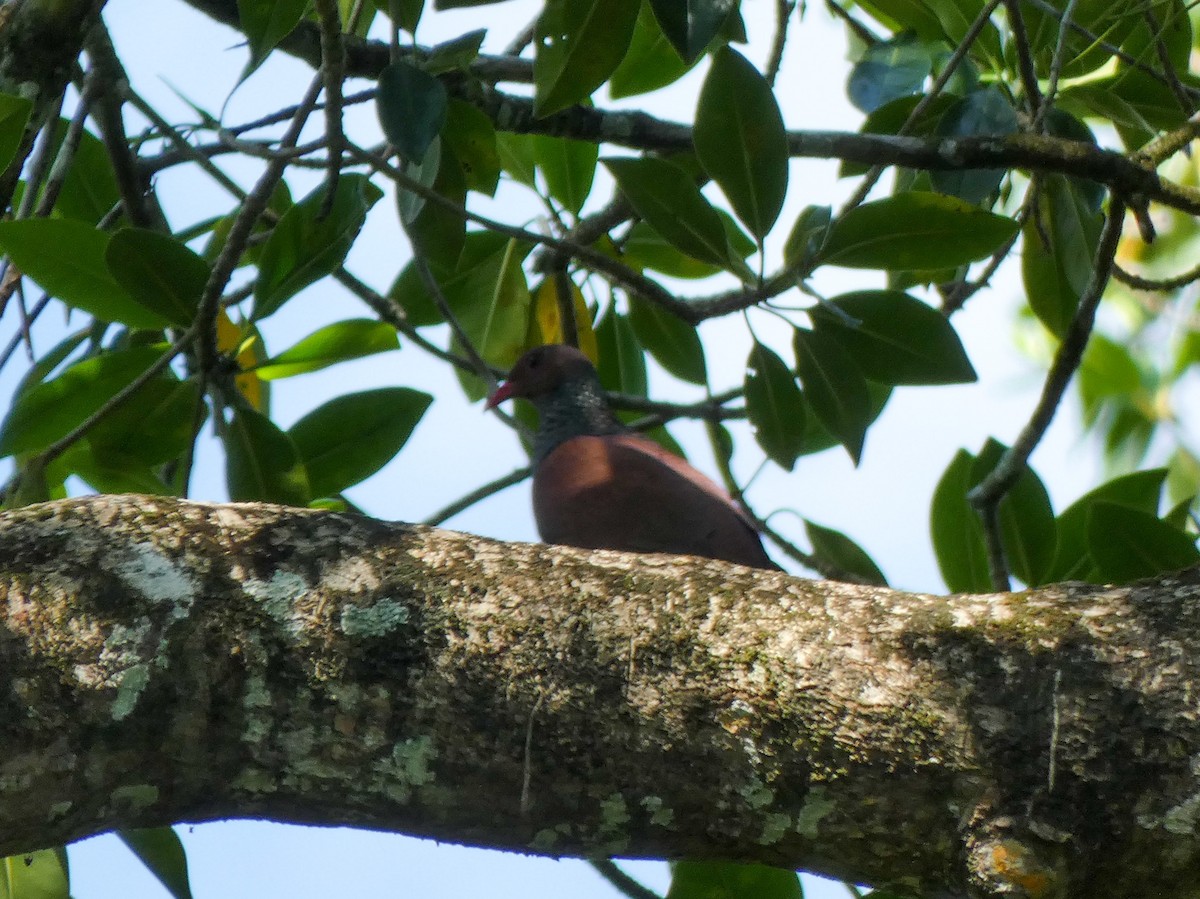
(625, 492)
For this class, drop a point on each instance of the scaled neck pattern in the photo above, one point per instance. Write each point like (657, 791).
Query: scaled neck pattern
(573, 409)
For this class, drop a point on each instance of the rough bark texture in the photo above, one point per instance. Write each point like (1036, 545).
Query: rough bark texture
(171, 661)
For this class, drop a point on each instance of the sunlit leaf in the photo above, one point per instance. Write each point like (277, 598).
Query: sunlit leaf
(650, 63)
(329, 345)
(67, 258)
(35, 875)
(52, 409)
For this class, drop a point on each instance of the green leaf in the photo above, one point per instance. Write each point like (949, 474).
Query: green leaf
(405, 13)
(838, 549)
(52, 409)
(266, 22)
(351, 339)
(726, 880)
(1108, 369)
(807, 237)
(690, 25)
(1126, 544)
(650, 63)
(982, 113)
(671, 341)
(889, 70)
(159, 272)
(351, 437)
(915, 230)
(67, 259)
(817, 438)
(306, 246)
(835, 388)
(155, 425)
(261, 462)
(35, 875)
(956, 530)
(568, 167)
(579, 43)
(516, 156)
(1028, 532)
(437, 232)
(14, 116)
(412, 108)
(160, 850)
(622, 362)
(740, 139)
(1140, 490)
(667, 198)
(90, 191)
(409, 203)
(496, 318)
(455, 54)
(471, 137)
(774, 406)
(894, 338)
(1060, 241)
(644, 247)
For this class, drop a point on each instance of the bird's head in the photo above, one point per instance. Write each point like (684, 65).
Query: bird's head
(541, 371)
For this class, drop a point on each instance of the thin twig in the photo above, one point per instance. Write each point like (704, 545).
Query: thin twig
(608, 869)
(783, 17)
(465, 502)
(1056, 64)
(239, 234)
(993, 541)
(988, 493)
(333, 71)
(1182, 97)
(117, 400)
(1140, 282)
(1020, 40)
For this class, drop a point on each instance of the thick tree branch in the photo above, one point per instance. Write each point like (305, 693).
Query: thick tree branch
(168, 661)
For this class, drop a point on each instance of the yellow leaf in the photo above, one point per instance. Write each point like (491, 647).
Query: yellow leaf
(248, 351)
(547, 322)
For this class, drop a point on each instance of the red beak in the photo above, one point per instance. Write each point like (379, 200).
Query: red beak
(502, 393)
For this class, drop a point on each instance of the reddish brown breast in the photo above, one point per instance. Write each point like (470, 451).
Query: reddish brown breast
(625, 492)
